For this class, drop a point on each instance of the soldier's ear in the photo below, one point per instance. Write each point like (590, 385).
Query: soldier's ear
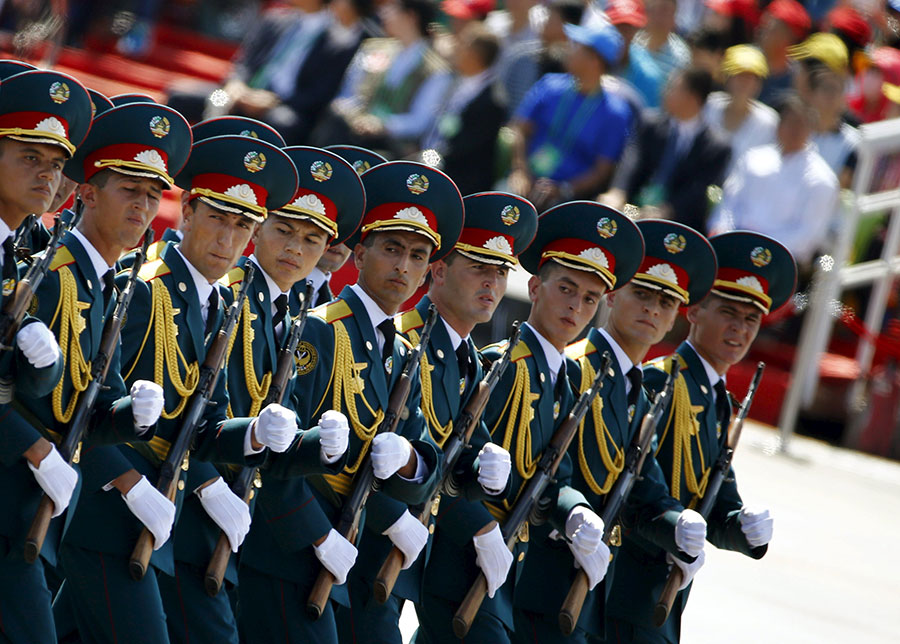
(692, 313)
(359, 253)
(438, 271)
(88, 194)
(534, 283)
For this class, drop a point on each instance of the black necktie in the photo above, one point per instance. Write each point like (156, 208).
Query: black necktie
(9, 259)
(560, 381)
(635, 375)
(323, 295)
(466, 366)
(281, 305)
(388, 331)
(211, 310)
(109, 285)
(723, 409)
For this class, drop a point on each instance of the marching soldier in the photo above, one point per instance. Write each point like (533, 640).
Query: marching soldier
(43, 117)
(466, 287)
(675, 270)
(755, 275)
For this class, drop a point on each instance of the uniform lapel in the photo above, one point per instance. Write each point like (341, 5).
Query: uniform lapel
(185, 299)
(91, 289)
(613, 391)
(443, 357)
(547, 401)
(263, 303)
(365, 331)
(701, 390)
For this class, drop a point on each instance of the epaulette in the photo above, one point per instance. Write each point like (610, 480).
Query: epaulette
(62, 258)
(332, 311)
(154, 250)
(521, 350)
(664, 364)
(232, 277)
(577, 350)
(152, 270)
(406, 322)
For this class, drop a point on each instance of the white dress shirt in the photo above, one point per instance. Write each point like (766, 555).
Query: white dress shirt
(274, 289)
(758, 128)
(101, 268)
(203, 285)
(711, 374)
(5, 233)
(317, 278)
(555, 359)
(622, 359)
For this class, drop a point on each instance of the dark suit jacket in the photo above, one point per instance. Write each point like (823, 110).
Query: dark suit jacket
(470, 154)
(702, 166)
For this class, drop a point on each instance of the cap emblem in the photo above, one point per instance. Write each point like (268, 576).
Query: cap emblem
(52, 125)
(417, 183)
(760, 256)
(509, 215)
(159, 126)
(243, 192)
(361, 166)
(254, 161)
(250, 133)
(499, 244)
(663, 272)
(674, 243)
(606, 227)
(320, 171)
(151, 158)
(59, 92)
(595, 255)
(412, 214)
(751, 283)
(311, 203)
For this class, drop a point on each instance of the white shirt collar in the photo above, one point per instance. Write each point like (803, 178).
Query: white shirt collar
(97, 261)
(624, 362)
(5, 231)
(376, 315)
(204, 288)
(317, 278)
(455, 338)
(274, 289)
(554, 358)
(711, 374)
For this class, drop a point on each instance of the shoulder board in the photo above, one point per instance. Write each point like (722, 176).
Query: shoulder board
(62, 258)
(333, 311)
(578, 350)
(664, 364)
(154, 250)
(408, 321)
(232, 277)
(521, 350)
(152, 270)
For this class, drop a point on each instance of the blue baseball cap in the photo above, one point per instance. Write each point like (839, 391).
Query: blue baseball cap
(603, 38)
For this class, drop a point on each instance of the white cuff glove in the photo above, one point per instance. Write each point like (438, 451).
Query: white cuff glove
(756, 525)
(585, 528)
(276, 427)
(409, 535)
(493, 557)
(153, 509)
(334, 435)
(227, 509)
(689, 569)
(690, 532)
(337, 554)
(57, 478)
(38, 344)
(594, 564)
(146, 402)
(390, 452)
(494, 466)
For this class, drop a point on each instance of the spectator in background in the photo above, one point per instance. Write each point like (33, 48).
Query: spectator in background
(868, 102)
(819, 51)
(846, 23)
(707, 52)
(836, 140)
(736, 113)
(784, 23)
(554, 42)
(627, 16)
(569, 132)
(656, 52)
(463, 12)
(737, 19)
(674, 157)
(394, 86)
(465, 131)
(802, 189)
(892, 93)
(518, 66)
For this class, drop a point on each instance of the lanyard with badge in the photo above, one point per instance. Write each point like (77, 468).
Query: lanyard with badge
(546, 159)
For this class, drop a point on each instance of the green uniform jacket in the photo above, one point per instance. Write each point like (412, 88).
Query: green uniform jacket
(163, 340)
(522, 416)
(641, 567)
(338, 358)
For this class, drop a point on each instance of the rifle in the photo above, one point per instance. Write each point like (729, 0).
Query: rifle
(14, 311)
(167, 483)
(365, 481)
(243, 484)
(720, 471)
(527, 506)
(70, 447)
(21, 244)
(618, 495)
(456, 443)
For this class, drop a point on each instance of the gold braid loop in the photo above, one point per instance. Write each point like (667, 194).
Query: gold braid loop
(168, 354)
(519, 420)
(614, 464)
(439, 433)
(258, 390)
(71, 324)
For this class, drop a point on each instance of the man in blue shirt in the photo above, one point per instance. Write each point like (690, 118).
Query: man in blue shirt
(569, 132)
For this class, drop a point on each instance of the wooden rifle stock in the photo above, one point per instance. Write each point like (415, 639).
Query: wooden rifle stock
(365, 481)
(243, 484)
(617, 496)
(528, 500)
(69, 447)
(167, 483)
(464, 427)
(723, 465)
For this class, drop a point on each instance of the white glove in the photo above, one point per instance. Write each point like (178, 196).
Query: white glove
(756, 525)
(153, 509)
(584, 528)
(594, 564)
(690, 532)
(334, 435)
(337, 554)
(409, 535)
(494, 466)
(390, 452)
(227, 509)
(146, 402)
(38, 344)
(276, 427)
(689, 569)
(57, 478)
(493, 557)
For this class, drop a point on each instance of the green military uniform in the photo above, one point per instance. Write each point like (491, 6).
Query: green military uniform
(47, 108)
(752, 268)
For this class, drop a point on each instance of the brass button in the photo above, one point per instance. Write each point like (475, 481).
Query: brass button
(431, 529)
(180, 484)
(521, 556)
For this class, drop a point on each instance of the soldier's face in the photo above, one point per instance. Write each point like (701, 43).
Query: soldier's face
(119, 210)
(63, 192)
(333, 258)
(29, 176)
(213, 240)
(564, 300)
(392, 266)
(468, 291)
(288, 249)
(641, 317)
(722, 330)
